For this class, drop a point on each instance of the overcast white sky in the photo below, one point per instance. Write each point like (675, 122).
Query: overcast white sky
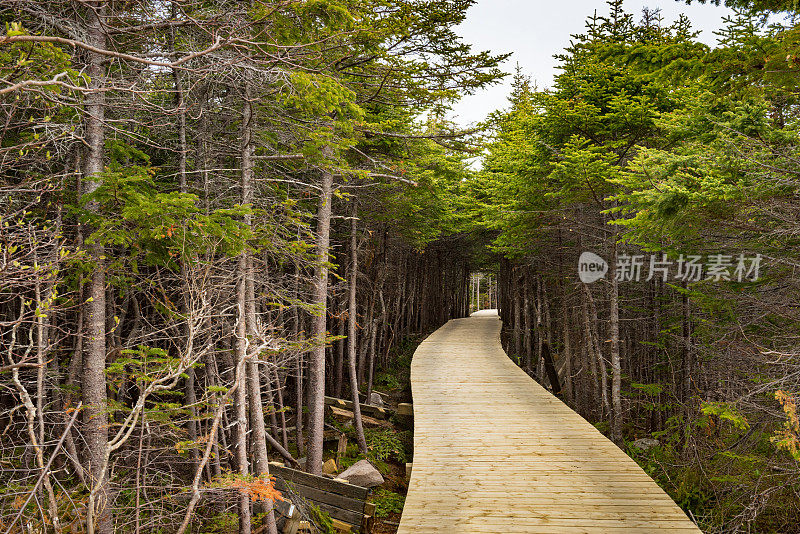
(534, 30)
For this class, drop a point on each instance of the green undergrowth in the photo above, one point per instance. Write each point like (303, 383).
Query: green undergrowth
(714, 466)
(387, 503)
(389, 447)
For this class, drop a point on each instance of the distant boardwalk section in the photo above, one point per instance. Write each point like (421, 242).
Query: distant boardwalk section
(494, 452)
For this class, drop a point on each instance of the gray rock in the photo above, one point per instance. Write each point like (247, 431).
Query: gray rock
(646, 444)
(362, 473)
(375, 400)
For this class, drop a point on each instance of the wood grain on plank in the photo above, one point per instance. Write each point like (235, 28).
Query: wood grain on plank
(494, 452)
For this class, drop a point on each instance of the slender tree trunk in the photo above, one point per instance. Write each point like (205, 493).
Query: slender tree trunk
(181, 110)
(319, 329)
(42, 348)
(538, 307)
(93, 387)
(183, 149)
(366, 335)
(339, 369)
(205, 166)
(686, 353)
(517, 318)
(273, 412)
(373, 333)
(566, 346)
(351, 330)
(242, 343)
(526, 313)
(281, 411)
(616, 368)
(76, 362)
(247, 281)
(478, 293)
(593, 347)
(299, 394)
(214, 433)
(137, 519)
(245, 518)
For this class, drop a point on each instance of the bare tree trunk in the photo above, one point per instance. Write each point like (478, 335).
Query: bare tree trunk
(298, 368)
(538, 306)
(42, 347)
(526, 312)
(273, 413)
(616, 368)
(204, 149)
(517, 318)
(213, 433)
(242, 272)
(137, 519)
(181, 109)
(686, 353)
(351, 330)
(383, 322)
(567, 348)
(366, 335)
(245, 518)
(593, 346)
(316, 366)
(281, 411)
(76, 362)
(339, 369)
(183, 150)
(373, 332)
(93, 387)
(261, 462)
(565, 324)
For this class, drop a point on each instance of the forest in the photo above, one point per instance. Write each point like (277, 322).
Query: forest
(217, 216)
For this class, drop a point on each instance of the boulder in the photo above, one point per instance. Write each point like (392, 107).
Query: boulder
(362, 473)
(329, 467)
(646, 444)
(376, 400)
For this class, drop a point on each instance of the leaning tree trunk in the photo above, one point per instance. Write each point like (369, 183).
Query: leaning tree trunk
(316, 367)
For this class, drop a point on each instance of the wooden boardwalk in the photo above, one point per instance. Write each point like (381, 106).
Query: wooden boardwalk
(494, 452)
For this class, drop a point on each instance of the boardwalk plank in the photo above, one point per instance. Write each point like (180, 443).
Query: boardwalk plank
(494, 452)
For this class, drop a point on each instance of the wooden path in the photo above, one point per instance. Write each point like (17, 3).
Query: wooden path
(494, 452)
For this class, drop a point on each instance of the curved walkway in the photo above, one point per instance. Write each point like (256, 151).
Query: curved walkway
(494, 452)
